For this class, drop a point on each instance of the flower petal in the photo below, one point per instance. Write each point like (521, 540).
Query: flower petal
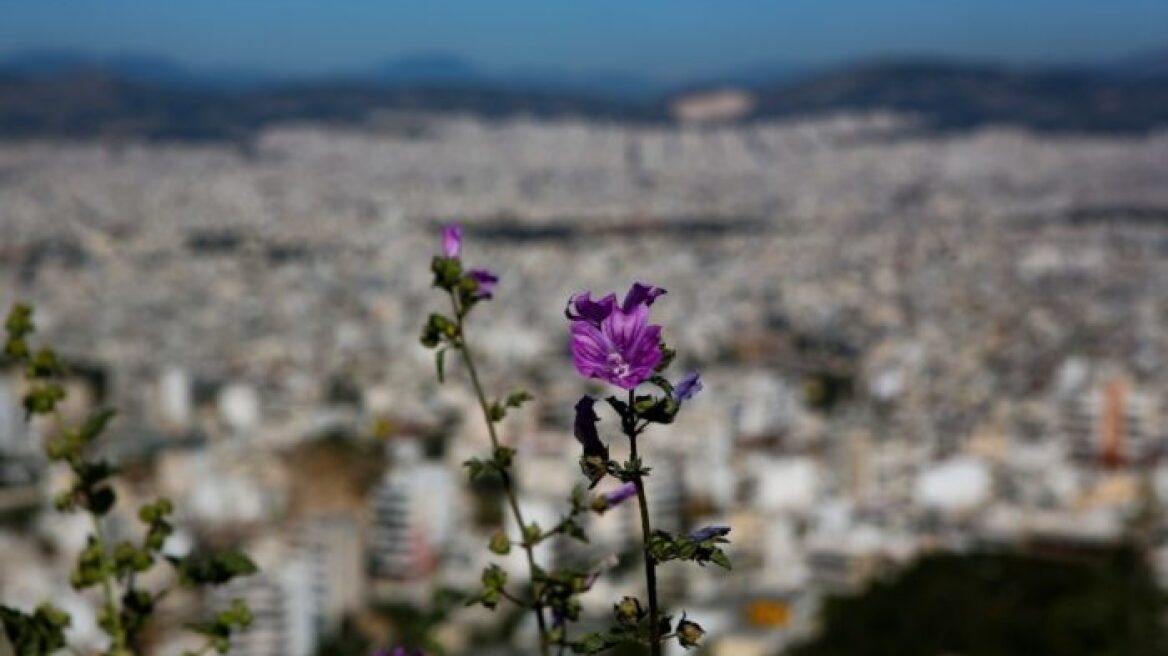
(641, 294)
(452, 241)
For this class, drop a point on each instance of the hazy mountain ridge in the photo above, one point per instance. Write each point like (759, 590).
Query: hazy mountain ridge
(59, 94)
(959, 95)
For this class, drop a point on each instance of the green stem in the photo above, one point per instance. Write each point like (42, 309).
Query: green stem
(107, 589)
(118, 633)
(630, 426)
(508, 484)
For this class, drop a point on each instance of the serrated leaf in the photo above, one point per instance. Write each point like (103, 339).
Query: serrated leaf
(213, 569)
(96, 424)
(42, 632)
(518, 398)
(719, 558)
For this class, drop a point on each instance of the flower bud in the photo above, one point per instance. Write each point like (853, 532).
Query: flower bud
(500, 543)
(689, 634)
(594, 468)
(628, 611)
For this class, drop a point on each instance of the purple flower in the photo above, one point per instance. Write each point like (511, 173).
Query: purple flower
(452, 241)
(615, 344)
(708, 532)
(687, 387)
(486, 283)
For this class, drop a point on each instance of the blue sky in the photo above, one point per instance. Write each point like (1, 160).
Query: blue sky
(663, 38)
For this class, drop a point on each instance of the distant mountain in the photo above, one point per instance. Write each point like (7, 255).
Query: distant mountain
(420, 70)
(133, 67)
(51, 94)
(949, 95)
(756, 76)
(1145, 65)
(88, 104)
(429, 69)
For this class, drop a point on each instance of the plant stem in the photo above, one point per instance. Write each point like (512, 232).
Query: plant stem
(118, 633)
(508, 484)
(107, 589)
(646, 531)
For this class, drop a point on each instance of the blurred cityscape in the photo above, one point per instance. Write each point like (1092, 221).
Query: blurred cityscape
(910, 341)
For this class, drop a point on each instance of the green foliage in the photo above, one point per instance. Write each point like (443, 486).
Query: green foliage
(415, 626)
(42, 632)
(218, 629)
(664, 547)
(1105, 604)
(493, 580)
(113, 569)
(212, 569)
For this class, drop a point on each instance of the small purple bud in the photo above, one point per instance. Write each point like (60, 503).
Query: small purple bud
(614, 498)
(486, 283)
(708, 532)
(621, 494)
(688, 387)
(452, 241)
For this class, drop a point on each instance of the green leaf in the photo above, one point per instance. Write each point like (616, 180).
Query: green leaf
(667, 356)
(42, 632)
(620, 406)
(213, 569)
(95, 425)
(518, 398)
(718, 557)
(503, 457)
(476, 468)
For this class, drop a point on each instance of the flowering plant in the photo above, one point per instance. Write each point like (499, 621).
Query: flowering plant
(615, 343)
(550, 594)
(114, 569)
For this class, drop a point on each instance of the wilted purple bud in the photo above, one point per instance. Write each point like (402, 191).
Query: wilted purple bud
(452, 241)
(594, 460)
(707, 532)
(585, 427)
(614, 498)
(687, 387)
(486, 282)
